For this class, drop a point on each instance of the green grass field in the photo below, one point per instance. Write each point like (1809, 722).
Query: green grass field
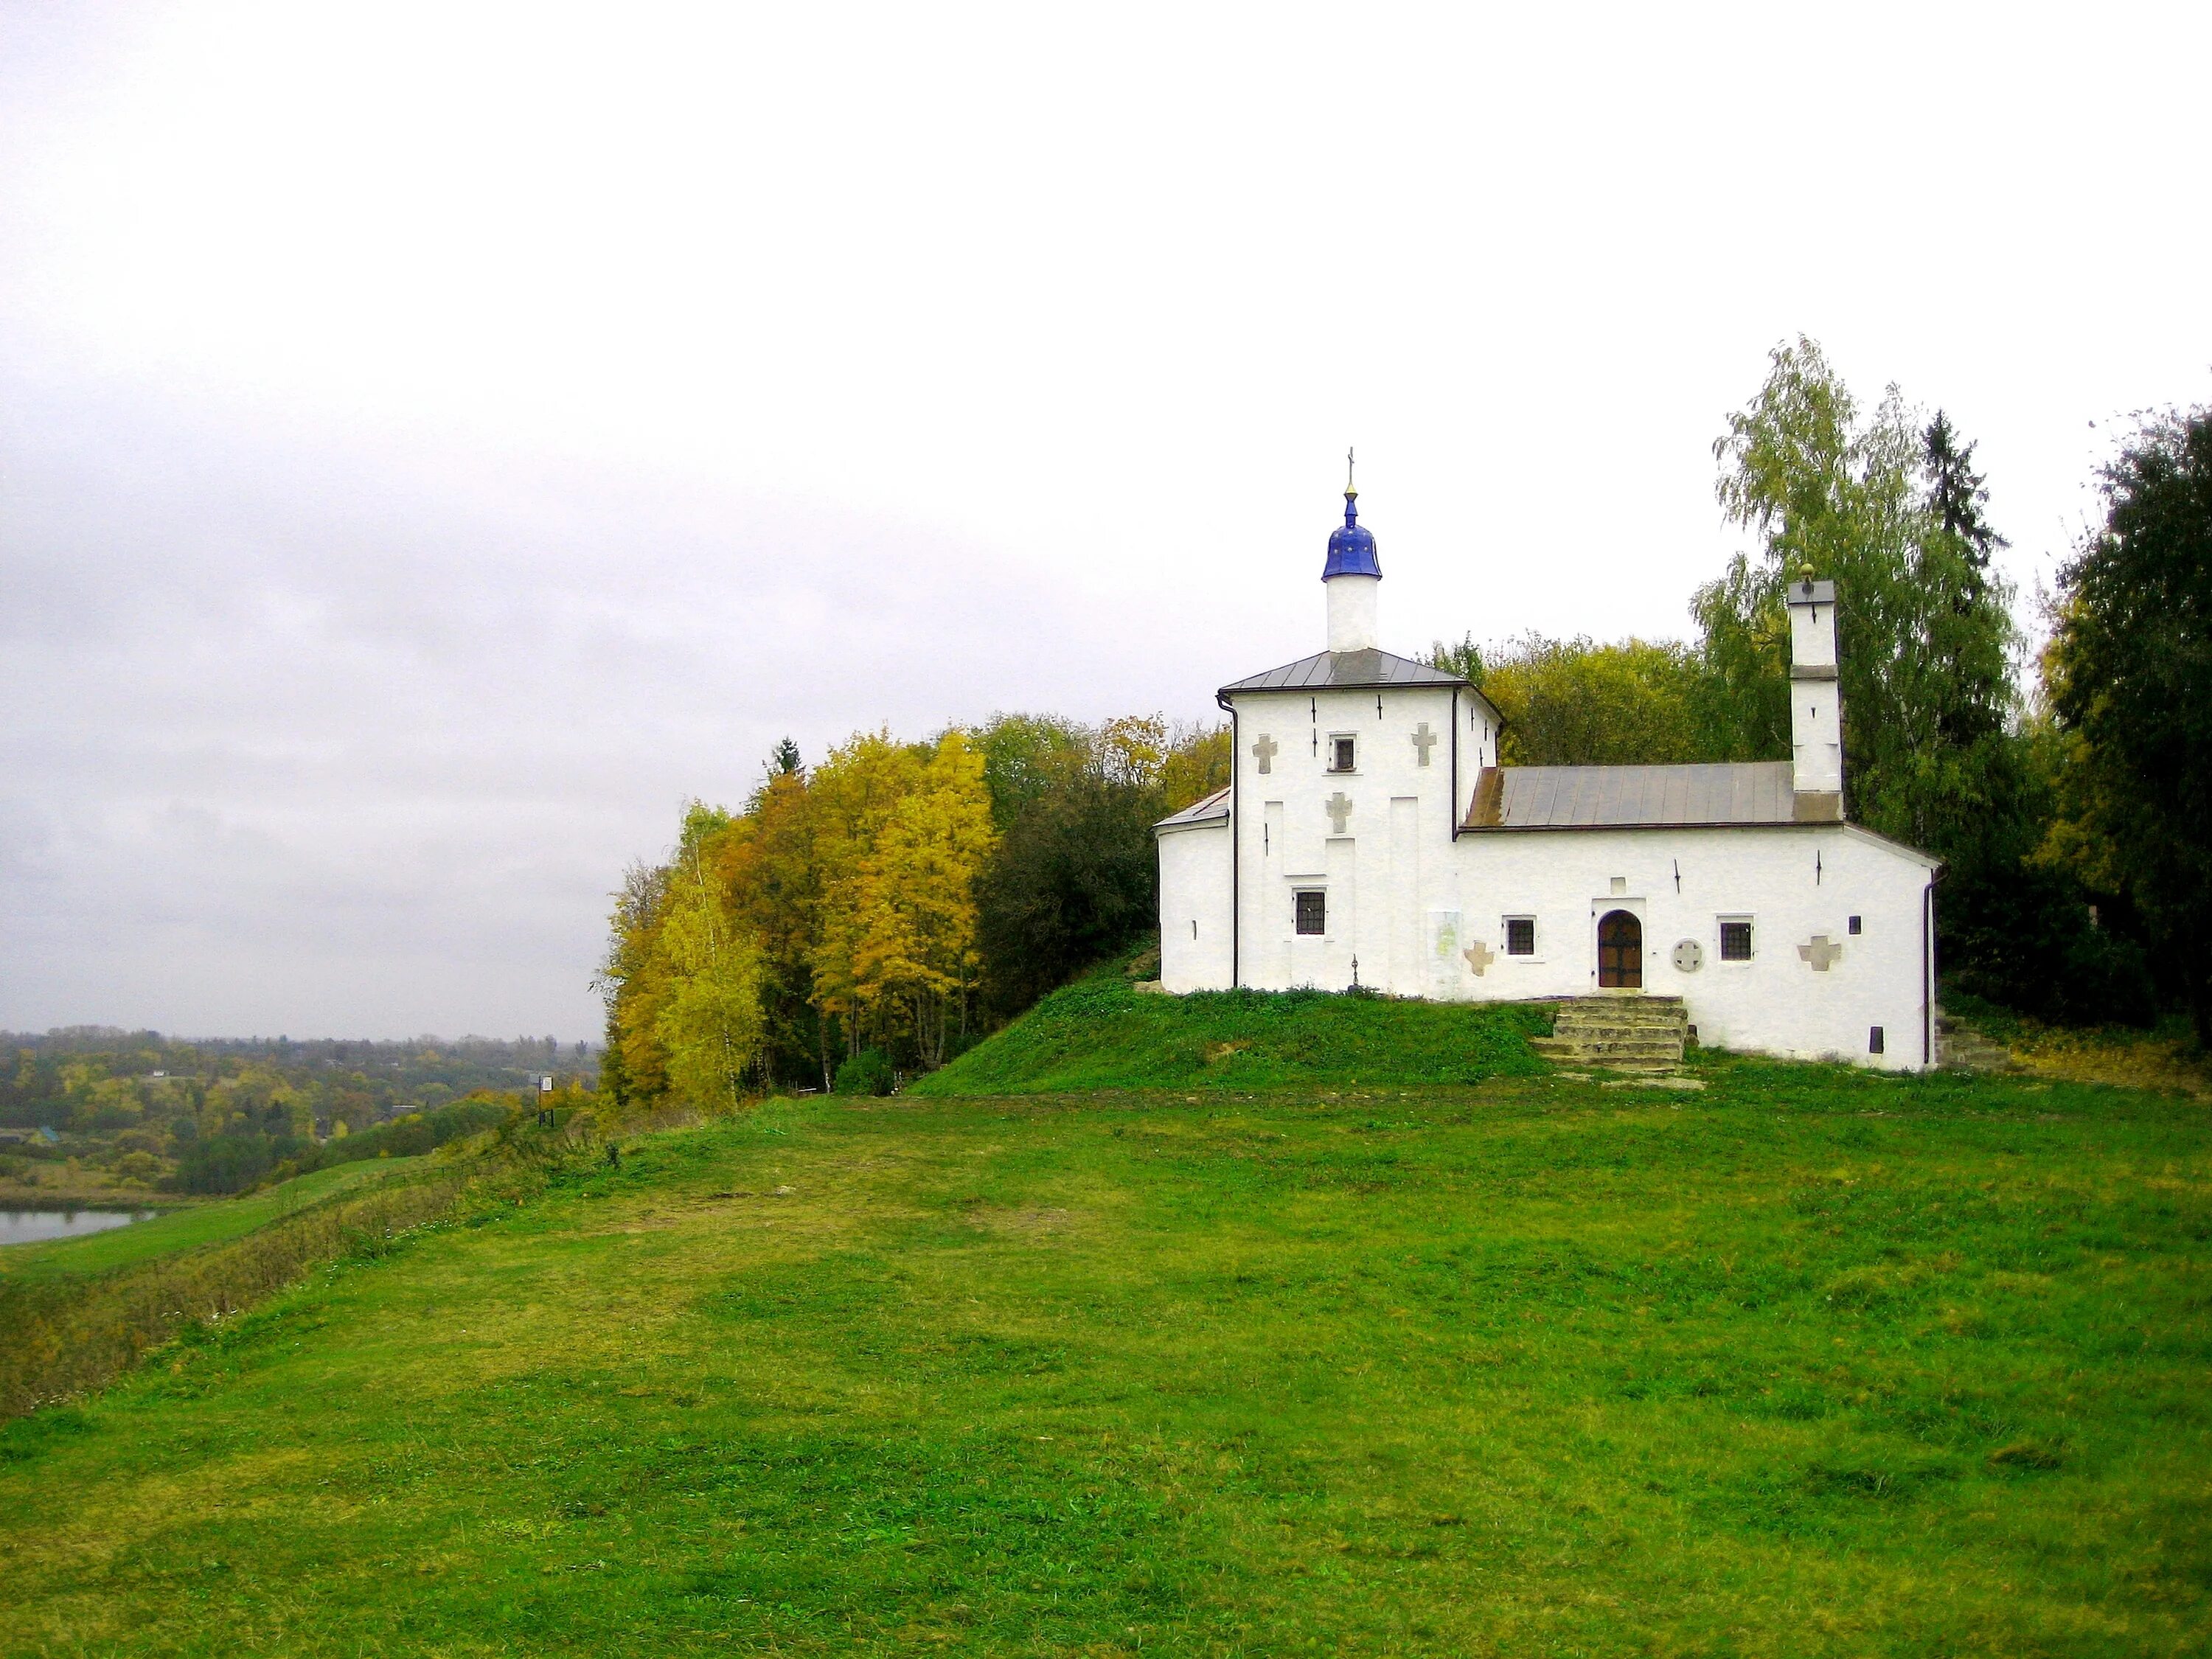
(185, 1229)
(1811, 1362)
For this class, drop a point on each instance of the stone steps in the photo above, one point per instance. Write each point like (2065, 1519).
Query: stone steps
(1640, 1034)
(1962, 1048)
(1628, 1048)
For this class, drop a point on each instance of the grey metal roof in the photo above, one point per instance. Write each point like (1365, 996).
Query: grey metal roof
(1336, 670)
(1215, 805)
(1804, 592)
(1624, 797)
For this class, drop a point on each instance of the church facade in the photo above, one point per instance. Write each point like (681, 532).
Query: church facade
(1370, 836)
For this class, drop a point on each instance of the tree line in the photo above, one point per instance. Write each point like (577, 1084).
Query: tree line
(876, 912)
(223, 1114)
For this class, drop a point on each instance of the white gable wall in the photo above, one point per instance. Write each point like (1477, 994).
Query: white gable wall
(1374, 874)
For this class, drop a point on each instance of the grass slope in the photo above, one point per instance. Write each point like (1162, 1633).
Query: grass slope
(1814, 1363)
(1100, 1033)
(185, 1229)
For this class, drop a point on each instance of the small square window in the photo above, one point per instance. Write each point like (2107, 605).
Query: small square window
(1874, 1039)
(1313, 913)
(1520, 936)
(1735, 941)
(1343, 755)
(1855, 927)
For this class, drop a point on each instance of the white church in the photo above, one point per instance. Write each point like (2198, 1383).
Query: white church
(1369, 836)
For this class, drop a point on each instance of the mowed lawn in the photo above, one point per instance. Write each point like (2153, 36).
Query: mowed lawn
(1807, 1364)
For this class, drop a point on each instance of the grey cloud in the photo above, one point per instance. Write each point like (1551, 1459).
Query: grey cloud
(304, 740)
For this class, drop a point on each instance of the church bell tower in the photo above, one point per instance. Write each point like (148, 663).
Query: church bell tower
(1352, 578)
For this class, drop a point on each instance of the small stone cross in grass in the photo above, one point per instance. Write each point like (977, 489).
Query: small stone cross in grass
(1424, 740)
(1479, 957)
(1819, 953)
(1339, 809)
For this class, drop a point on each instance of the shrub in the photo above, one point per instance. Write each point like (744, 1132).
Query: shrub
(868, 1072)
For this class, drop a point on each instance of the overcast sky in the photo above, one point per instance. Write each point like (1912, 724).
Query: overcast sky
(437, 441)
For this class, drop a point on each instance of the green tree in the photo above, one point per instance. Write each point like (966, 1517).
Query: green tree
(1574, 702)
(1025, 756)
(709, 1024)
(1076, 874)
(1075, 877)
(1956, 493)
(2128, 673)
(774, 883)
(1464, 659)
(1924, 629)
(1197, 765)
(632, 979)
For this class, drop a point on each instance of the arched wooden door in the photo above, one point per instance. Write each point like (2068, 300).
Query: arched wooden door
(1619, 951)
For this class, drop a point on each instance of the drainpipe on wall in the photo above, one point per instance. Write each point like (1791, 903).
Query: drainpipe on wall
(1928, 973)
(1454, 764)
(1235, 848)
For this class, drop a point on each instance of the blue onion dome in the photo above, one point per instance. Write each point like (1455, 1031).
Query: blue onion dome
(1351, 549)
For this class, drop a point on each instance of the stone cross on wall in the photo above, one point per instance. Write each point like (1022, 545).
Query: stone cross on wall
(1819, 953)
(1424, 740)
(1264, 752)
(1479, 957)
(1338, 810)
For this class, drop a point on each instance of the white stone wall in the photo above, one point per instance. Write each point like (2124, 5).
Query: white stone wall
(1354, 612)
(1792, 882)
(1194, 906)
(1373, 873)
(1816, 736)
(1812, 633)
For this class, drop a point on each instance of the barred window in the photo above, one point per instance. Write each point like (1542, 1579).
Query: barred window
(1735, 941)
(1520, 936)
(1344, 754)
(1313, 913)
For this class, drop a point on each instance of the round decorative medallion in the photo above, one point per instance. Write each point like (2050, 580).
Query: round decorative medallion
(1689, 956)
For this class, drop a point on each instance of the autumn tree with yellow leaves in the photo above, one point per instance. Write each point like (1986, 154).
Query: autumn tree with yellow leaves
(871, 904)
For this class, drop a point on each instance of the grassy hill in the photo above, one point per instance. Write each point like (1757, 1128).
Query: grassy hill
(1811, 1363)
(1100, 1033)
(191, 1228)
(74, 1313)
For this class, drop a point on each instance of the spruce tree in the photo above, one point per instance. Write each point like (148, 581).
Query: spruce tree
(1957, 494)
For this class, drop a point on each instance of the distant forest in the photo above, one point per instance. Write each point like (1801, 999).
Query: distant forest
(220, 1114)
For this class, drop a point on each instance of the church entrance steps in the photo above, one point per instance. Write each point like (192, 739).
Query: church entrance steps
(1959, 1047)
(1621, 1033)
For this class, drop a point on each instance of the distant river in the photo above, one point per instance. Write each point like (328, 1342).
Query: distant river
(28, 1226)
